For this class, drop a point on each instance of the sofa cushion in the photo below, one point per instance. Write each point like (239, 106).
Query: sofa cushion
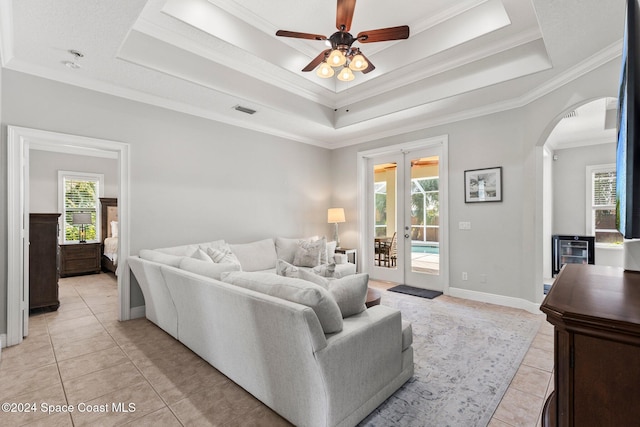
(188, 250)
(256, 256)
(162, 258)
(309, 254)
(295, 290)
(207, 268)
(286, 248)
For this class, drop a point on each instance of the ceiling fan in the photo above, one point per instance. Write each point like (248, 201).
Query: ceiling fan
(342, 54)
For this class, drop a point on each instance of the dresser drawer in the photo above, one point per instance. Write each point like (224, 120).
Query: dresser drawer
(80, 258)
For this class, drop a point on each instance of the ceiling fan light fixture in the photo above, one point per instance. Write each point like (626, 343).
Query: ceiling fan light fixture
(337, 58)
(358, 63)
(325, 71)
(346, 75)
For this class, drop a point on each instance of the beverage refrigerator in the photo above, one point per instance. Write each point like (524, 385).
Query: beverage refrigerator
(571, 250)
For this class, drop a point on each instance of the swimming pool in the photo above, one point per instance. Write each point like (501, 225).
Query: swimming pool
(425, 249)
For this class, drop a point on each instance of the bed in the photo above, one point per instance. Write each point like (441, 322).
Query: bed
(109, 216)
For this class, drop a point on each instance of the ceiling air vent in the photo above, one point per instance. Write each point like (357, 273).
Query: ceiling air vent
(244, 109)
(571, 115)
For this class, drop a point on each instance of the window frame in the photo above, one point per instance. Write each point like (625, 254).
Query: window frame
(590, 207)
(88, 176)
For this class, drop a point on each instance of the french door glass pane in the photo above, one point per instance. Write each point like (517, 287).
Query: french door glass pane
(424, 208)
(385, 184)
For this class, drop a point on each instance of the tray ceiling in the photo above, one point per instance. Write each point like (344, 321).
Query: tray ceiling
(205, 57)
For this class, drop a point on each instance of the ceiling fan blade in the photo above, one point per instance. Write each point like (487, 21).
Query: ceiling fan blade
(344, 14)
(370, 68)
(384, 34)
(296, 35)
(317, 60)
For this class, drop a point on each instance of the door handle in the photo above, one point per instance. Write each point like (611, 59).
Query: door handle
(406, 236)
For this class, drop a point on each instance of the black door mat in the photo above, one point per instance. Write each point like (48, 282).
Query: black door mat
(418, 292)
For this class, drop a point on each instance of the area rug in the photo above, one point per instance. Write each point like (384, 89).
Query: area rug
(416, 292)
(465, 354)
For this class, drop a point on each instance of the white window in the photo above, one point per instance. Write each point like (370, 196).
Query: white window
(601, 204)
(79, 194)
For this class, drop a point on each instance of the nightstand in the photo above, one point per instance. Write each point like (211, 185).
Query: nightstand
(79, 258)
(352, 255)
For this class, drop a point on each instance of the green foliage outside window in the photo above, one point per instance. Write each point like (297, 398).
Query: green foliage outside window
(80, 196)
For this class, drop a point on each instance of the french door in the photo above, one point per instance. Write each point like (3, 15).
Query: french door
(406, 221)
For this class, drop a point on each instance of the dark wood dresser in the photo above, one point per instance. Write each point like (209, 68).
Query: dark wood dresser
(43, 261)
(596, 314)
(80, 258)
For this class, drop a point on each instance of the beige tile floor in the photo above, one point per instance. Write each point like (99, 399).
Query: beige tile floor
(81, 355)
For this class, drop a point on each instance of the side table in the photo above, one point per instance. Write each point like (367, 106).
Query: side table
(352, 255)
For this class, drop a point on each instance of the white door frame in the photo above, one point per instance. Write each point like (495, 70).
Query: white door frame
(363, 156)
(19, 141)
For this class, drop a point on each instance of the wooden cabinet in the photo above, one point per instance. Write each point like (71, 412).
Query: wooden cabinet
(596, 314)
(79, 258)
(43, 261)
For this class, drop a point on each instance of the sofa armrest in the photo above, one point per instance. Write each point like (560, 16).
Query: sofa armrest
(361, 359)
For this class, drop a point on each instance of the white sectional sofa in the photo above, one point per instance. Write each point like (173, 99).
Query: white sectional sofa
(283, 339)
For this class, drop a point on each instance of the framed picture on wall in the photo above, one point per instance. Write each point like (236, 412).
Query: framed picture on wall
(483, 185)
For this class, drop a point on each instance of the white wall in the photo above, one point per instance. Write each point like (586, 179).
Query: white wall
(43, 176)
(569, 194)
(505, 242)
(191, 179)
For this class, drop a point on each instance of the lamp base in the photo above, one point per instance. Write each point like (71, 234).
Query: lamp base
(335, 235)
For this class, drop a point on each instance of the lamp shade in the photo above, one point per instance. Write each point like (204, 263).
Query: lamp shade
(335, 215)
(81, 218)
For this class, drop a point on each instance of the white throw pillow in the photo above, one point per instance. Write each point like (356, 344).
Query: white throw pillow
(294, 290)
(308, 254)
(350, 292)
(286, 248)
(201, 255)
(222, 256)
(207, 268)
(325, 270)
(283, 268)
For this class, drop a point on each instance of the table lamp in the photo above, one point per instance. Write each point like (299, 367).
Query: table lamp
(335, 215)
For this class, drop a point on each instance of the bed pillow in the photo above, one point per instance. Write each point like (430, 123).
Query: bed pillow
(162, 258)
(294, 290)
(207, 268)
(114, 228)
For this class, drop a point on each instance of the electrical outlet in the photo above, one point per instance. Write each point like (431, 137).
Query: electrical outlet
(465, 276)
(464, 225)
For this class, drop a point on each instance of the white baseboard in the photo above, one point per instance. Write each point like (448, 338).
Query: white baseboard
(512, 302)
(137, 312)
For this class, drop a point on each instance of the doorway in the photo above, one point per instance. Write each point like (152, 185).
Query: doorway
(405, 221)
(20, 142)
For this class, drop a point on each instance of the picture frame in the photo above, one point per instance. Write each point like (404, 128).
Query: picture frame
(483, 185)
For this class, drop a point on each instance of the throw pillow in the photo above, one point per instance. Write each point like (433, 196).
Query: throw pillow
(325, 270)
(207, 268)
(222, 256)
(283, 268)
(350, 292)
(331, 251)
(294, 290)
(201, 255)
(114, 228)
(308, 253)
